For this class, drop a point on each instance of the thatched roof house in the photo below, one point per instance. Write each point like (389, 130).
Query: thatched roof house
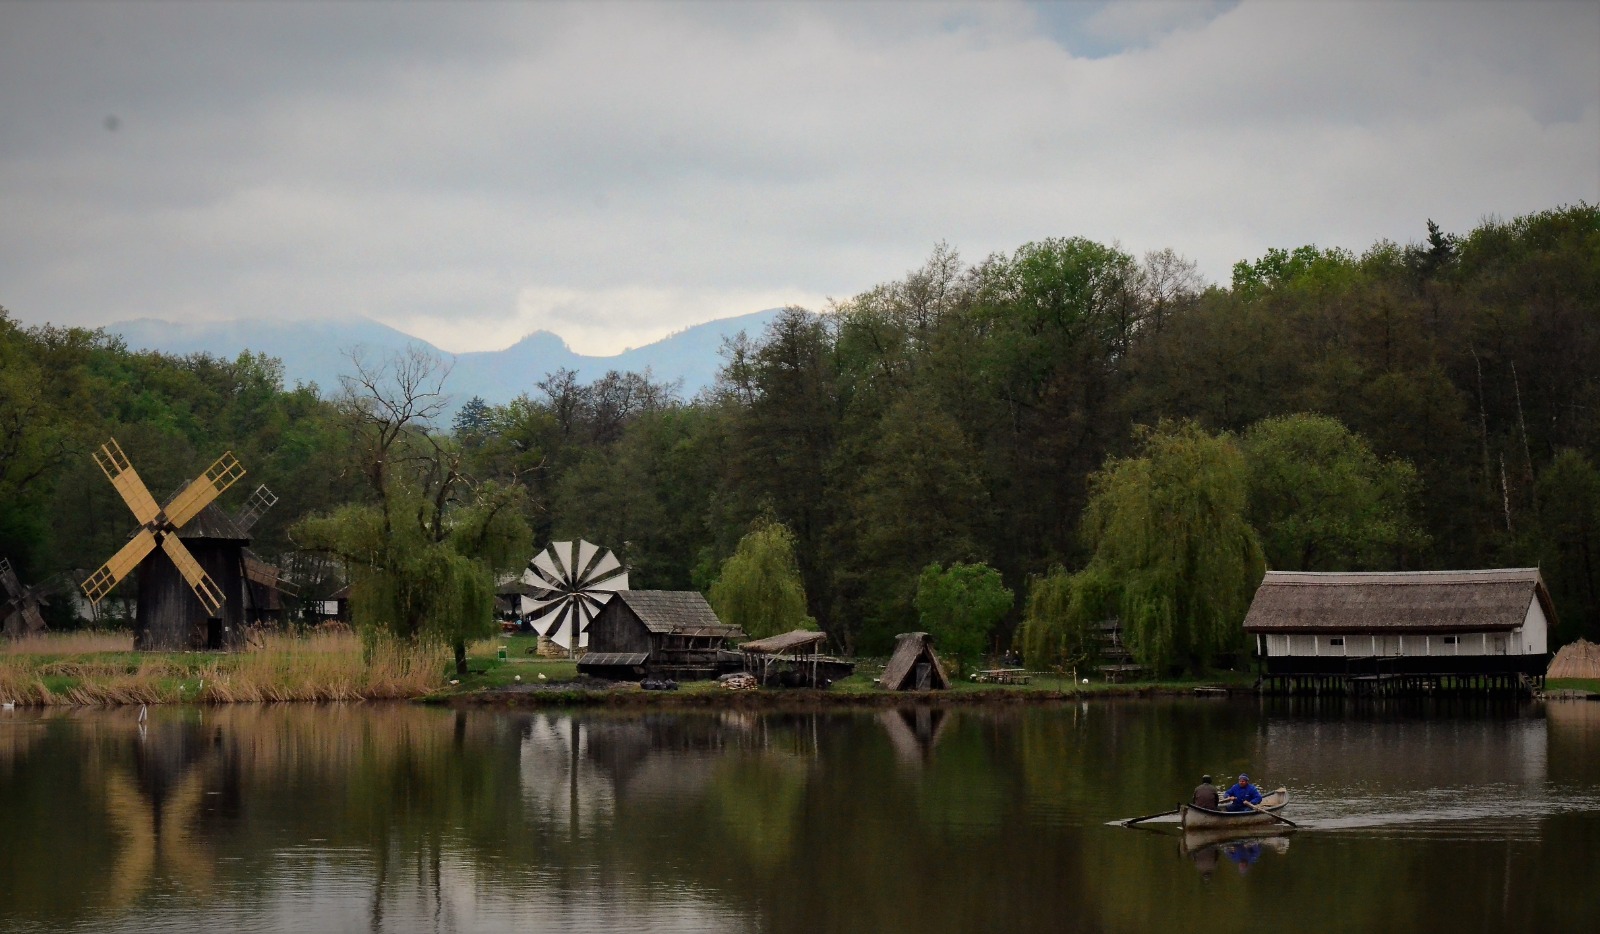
(914, 666)
(1580, 659)
(1494, 620)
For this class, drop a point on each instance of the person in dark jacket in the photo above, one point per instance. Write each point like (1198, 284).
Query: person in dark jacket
(1241, 792)
(1206, 795)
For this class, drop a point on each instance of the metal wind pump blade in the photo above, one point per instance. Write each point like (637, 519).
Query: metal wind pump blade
(572, 581)
(158, 525)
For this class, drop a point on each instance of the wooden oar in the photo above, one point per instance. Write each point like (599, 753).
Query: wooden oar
(1130, 823)
(1273, 815)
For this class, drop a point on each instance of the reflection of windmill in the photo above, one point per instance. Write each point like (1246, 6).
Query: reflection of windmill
(19, 605)
(572, 581)
(167, 618)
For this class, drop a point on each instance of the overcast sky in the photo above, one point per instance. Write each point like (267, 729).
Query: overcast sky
(473, 172)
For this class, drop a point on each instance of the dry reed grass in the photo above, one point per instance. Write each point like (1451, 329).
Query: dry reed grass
(87, 642)
(323, 666)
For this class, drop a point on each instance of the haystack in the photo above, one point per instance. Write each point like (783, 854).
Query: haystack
(1581, 659)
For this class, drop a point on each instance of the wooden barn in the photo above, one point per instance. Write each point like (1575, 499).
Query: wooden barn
(170, 618)
(914, 666)
(663, 633)
(1418, 625)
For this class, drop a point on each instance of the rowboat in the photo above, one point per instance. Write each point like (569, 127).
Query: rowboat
(1198, 818)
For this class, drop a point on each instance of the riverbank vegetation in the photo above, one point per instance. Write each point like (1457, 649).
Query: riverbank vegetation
(1038, 412)
(101, 669)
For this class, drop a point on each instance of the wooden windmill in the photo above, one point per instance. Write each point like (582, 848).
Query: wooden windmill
(190, 556)
(19, 605)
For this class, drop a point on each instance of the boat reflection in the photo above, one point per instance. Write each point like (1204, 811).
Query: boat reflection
(1210, 849)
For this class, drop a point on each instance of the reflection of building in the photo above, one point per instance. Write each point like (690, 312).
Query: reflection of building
(913, 732)
(1425, 623)
(1436, 751)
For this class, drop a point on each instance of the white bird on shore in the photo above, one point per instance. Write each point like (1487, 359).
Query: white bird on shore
(541, 676)
(517, 679)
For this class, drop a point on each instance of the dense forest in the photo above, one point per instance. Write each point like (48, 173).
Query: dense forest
(1432, 405)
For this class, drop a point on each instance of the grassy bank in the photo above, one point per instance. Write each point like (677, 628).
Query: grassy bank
(101, 669)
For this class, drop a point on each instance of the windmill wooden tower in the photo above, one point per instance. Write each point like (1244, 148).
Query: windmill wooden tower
(19, 605)
(190, 556)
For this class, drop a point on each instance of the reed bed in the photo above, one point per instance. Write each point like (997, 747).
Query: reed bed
(324, 666)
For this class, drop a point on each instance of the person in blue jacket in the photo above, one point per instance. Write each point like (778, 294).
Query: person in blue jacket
(1241, 792)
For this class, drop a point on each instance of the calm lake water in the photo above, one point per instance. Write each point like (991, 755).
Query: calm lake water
(400, 818)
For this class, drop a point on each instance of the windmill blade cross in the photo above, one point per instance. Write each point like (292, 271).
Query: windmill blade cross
(124, 561)
(119, 470)
(8, 578)
(31, 617)
(255, 507)
(198, 495)
(204, 587)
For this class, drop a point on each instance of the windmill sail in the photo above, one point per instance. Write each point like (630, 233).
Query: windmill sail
(572, 581)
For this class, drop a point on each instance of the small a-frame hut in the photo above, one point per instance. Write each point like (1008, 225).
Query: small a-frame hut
(914, 666)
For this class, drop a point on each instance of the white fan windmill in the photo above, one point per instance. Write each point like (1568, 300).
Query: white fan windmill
(572, 581)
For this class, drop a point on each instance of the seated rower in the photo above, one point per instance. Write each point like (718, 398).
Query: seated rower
(1206, 795)
(1241, 792)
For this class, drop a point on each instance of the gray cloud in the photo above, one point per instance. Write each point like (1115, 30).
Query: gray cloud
(472, 172)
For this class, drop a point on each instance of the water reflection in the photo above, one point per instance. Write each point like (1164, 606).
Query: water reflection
(399, 818)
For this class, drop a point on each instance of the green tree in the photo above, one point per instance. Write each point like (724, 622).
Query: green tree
(1321, 500)
(960, 606)
(759, 589)
(422, 556)
(1173, 552)
(1567, 541)
(1058, 619)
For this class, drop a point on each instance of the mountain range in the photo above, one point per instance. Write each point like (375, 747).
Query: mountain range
(317, 352)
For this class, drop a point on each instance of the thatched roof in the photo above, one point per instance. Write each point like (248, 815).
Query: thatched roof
(676, 612)
(1396, 602)
(787, 642)
(1581, 659)
(909, 649)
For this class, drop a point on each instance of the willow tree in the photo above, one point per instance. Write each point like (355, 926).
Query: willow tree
(759, 589)
(423, 553)
(1174, 556)
(1057, 620)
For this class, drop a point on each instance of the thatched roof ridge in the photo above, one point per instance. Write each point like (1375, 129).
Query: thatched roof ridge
(678, 612)
(785, 642)
(1397, 602)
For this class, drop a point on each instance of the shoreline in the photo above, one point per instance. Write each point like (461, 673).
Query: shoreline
(805, 698)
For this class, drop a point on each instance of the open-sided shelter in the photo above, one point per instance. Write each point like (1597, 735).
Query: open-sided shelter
(914, 666)
(1488, 622)
(671, 633)
(793, 659)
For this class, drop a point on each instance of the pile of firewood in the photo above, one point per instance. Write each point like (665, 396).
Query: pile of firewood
(739, 681)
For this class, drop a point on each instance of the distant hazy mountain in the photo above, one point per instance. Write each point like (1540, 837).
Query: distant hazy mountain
(314, 352)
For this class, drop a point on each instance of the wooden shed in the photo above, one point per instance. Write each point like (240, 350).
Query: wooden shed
(170, 618)
(1488, 622)
(793, 659)
(914, 666)
(676, 632)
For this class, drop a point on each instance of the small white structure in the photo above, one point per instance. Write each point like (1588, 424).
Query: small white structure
(1415, 622)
